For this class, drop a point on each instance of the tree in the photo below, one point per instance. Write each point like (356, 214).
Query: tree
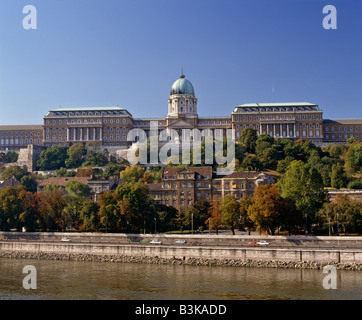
(132, 174)
(76, 154)
(246, 223)
(355, 184)
(30, 215)
(10, 208)
(248, 138)
(89, 215)
(95, 159)
(215, 218)
(198, 214)
(339, 177)
(29, 183)
(9, 157)
(263, 142)
(53, 201)
(283, 164)
(52, 158)
(166, 217)
(107, 203)
(230, 212)
(353, 158)
(135, 197)
(76, 188)
(344, 212)
(251, 162)
(265, 208)
(15, 171)
(303, 185)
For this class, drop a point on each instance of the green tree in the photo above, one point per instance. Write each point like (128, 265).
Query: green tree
(230, 212)
(10, 208)
(89, 215)
(283, 164)
(53, 158)
(136, 199)
(344, 213)
(15, 171)
(76, 155)
(355, 184)
(198, 214)
(339, 177)
(95, 159)
(29, 183)
(353, 158)
(251, 162)
(248, 138)
(263, 142)
(77, 188)
(303, 185)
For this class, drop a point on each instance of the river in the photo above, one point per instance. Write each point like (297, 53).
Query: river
(65, 280)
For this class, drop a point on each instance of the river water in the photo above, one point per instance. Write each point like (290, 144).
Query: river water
(64, 280)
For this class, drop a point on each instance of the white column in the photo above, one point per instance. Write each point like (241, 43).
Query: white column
(274, 130)
(294, 130)
(87, 134)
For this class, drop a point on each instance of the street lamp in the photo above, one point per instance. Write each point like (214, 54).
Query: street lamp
(155, 225)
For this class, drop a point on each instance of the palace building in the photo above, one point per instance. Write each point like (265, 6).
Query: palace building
(109, 126)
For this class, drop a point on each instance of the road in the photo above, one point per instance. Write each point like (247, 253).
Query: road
(272, 244)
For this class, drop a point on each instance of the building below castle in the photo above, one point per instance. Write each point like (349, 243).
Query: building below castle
(110, 126)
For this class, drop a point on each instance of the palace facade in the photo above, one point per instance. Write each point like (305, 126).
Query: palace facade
(109, 126)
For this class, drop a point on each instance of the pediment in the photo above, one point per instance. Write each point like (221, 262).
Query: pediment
(180, 124)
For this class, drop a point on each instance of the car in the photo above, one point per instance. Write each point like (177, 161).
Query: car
(253, 244)
(263, 243)
(180, 241)
(144, 241)
(65, 239)
(156, 242)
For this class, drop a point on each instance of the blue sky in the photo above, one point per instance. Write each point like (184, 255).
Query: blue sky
(92, 53)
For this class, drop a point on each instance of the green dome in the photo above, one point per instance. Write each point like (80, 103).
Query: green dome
(182, 86)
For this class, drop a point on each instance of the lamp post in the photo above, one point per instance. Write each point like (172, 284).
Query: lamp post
(192, 222)
(337, 225)
(155, 225)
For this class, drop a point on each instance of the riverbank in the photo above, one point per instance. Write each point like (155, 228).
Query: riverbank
(191, 261)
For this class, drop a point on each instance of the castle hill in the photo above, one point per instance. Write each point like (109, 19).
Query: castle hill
(268, 177)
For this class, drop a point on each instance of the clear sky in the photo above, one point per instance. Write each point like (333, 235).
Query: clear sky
(95, 53)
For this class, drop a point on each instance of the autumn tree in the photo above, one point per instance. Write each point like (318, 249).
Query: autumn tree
(265, 208)
(215, 218)
(53, 201)
(30, 215)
